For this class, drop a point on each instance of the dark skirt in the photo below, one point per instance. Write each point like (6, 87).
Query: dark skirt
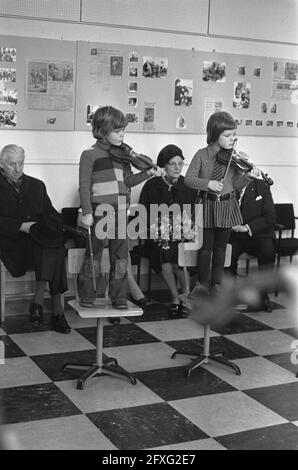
(159, 255)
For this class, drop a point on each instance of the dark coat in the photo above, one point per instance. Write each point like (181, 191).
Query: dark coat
(156, 191)
(257, 208)
(32, 203)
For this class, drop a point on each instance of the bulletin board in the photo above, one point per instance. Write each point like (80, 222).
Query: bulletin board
(37, 83)
(56, 85)
(259, 92)
(112, 74)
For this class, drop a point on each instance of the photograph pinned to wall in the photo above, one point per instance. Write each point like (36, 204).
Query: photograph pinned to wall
(259, 122)
(155, 67)
(8, 118)
(211, 106)
(269, 123)
(214, 71)
(60, 71)
(133, 56)
(90, 111)
(183, 92)
(133, 101)
(248, 122)
(149, 116)
(264, 107)
(100, 66)
(241, 95)
(116, 65)
(132, 118)
(279, 123)
(8, 75)
(290, 124)
(285, 79)
(50, 85)
(256, 72)
(181, 122)
(8, 96)
(133, 71)
(239, 122)
(37, 77)
(132, 87)
(241, 70)
(273, 107)
(8, 54)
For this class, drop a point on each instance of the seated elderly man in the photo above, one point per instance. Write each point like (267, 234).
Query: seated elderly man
(31, 235)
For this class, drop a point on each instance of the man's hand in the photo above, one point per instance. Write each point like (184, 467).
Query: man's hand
(25, 227)
(85, 221)
(215, 185)
(240, 228)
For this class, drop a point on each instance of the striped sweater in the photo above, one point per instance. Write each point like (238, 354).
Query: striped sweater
(103, 180)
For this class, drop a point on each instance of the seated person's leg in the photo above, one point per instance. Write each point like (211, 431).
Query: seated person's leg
(50, 266)
(134, 290)
(237, 249)
(265, 252)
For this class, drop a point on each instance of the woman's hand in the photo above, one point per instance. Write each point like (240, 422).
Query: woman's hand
(85, 221)
(215, 185)
(254, 173)
(154, 171)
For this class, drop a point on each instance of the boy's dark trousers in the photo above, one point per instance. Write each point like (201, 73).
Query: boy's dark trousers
(118, 251)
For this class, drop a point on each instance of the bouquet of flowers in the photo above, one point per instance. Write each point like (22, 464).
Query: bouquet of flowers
(170, 227)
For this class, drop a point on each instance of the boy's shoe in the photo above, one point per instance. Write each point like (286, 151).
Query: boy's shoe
(87, 303)
(120, 304)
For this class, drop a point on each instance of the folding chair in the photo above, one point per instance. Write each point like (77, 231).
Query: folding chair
(102, 310)
(186, 259)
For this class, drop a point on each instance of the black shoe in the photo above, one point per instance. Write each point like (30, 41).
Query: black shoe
(36, 314)
(142, 302)
(114, 320)
(177, 311)
(267, 306)
(60, 324)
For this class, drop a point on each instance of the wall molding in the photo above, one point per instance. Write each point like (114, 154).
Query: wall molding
(153, 30)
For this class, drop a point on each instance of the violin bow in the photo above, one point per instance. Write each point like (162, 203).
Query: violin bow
(229, 163)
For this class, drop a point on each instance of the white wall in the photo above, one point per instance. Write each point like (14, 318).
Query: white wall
(53, 156)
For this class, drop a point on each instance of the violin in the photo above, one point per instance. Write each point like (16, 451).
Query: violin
(240, 160)
(125, 154)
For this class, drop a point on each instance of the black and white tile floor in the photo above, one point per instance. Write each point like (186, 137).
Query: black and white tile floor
(212, 409)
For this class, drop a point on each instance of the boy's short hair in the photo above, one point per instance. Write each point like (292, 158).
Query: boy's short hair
(218, 123)
(106, 119)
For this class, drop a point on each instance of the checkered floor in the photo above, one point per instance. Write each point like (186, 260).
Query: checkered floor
(212, 409)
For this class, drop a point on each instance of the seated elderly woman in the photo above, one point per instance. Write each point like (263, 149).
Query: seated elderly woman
(31, 235)
(168, 189)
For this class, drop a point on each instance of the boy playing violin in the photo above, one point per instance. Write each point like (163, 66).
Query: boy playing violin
(104, 180)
